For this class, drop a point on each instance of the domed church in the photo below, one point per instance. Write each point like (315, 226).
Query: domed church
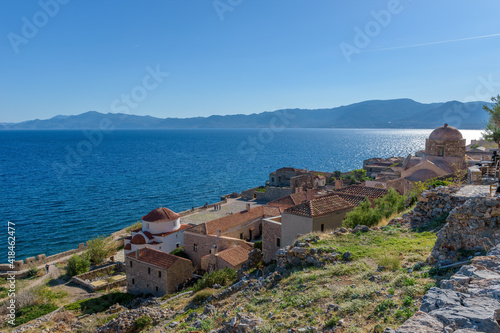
(444, 154)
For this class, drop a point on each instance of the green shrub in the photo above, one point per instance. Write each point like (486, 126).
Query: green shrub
(407, 301)
(384, 305)
(180, 253)
(98, 250)
(100, 304)
(30, 312)
(77, 265)
(364, 214)
(332, 322)
(223, 277)
(142, 322)
(201, 296)
(389, 262)
(33, 271)
(258, 245)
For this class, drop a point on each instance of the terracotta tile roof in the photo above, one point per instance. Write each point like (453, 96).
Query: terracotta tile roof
(161, 214)
(233, 220)
(138, 239)
(235, 255)
(291, 200)
(154, 257)
(354, 200)
(320, 206)
(182, 227)
(148, 235)
(128, 247)
(365, 191)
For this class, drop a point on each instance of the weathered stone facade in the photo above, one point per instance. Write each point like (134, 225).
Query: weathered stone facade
(455, 148)
(271, 238)
(197, 245)
(147, 278)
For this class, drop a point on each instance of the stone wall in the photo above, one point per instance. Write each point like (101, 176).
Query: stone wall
(273, 193)
(431, 204)
(201, 208)
(451, 147)
(40, 259)
(468, 302)
(470, 228)
(271, 231)
(204, 243)
(103, 272)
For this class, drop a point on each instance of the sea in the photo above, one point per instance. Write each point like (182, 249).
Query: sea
(61, 188)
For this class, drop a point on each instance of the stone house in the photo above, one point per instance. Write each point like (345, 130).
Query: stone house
(233, 257)
(161, 230)
(320, 214)
(235, 230)
(150, 271)
(282, 176)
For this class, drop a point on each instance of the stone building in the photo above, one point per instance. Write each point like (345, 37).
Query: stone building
(216, 236)
(150, 271)
(161, 230)
(282, 176)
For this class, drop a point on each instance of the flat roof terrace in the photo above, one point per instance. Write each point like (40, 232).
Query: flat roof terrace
(232, 206)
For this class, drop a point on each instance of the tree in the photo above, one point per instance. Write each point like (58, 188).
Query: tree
(77, 265)
(98, 250)
(492, 130)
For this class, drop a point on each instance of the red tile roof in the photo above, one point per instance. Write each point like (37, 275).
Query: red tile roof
(235, 255)
(355, 200)
(154, 257)
(138, 240)
(128, 247)
(161, 214)
(148, 235)
(365, 191)
(233, 220)
(291, 200)
(182, 227)
(320, 206)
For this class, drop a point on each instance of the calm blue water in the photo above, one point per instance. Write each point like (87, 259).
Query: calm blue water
(62, 188)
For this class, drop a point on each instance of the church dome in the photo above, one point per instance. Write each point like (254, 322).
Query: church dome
(446, 133)
(161, 214)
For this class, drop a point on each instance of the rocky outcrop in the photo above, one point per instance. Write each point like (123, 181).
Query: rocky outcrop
(467, 302)
(124, 322)
(471, 228)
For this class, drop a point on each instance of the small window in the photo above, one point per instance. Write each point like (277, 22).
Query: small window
(147, 225)
(195, 247)
(130, 263)
(159, 274)
(241, 236)
(322, 227)
(133, 281)
(441, 151)
(149, 270)
(178, 245)
(156, 288)
(176, 235)
(278, 242)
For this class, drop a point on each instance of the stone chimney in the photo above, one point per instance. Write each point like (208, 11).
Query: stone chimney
(213, 250)
(338, 184)
(218, 232)
(309, 194)
(248, 207)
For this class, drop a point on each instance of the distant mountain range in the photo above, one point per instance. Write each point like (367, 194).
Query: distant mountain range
(397, 113)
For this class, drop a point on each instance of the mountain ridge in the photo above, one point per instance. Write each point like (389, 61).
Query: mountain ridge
(396, 113)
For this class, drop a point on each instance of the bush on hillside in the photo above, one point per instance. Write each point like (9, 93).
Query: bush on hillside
(224, 277)
(98, 250)
(180, 253)
(364, 214)
(77, 265)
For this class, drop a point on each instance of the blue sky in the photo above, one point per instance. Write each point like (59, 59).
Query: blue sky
(245, 56)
